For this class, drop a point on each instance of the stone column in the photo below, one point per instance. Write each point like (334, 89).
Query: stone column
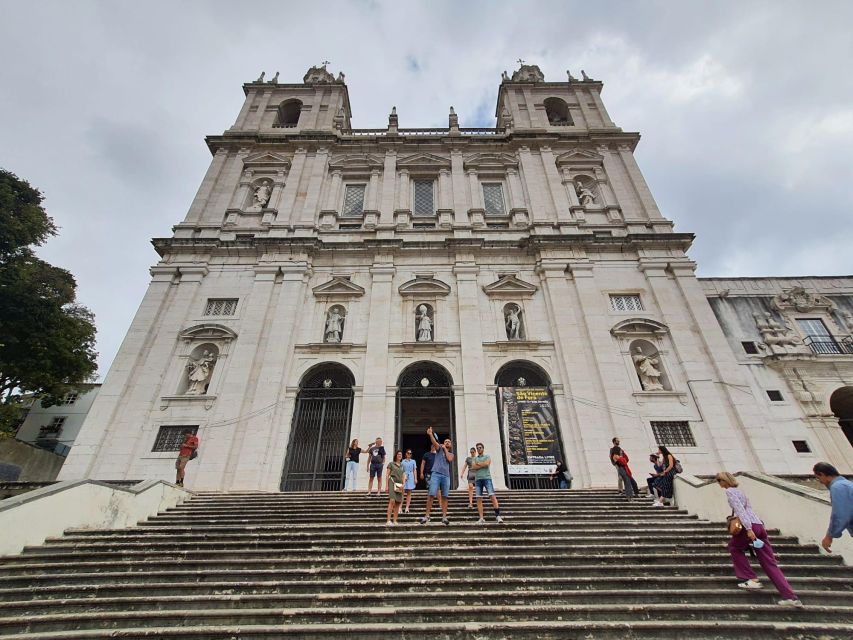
(445, 199)
(480, 422)
(205, 190)
(319, 170)
(244, 110)
(404, 208)
(457, 166)
(258, 118)
(277, 187)
(476, 213)
(371, 201)
(639, 183)
(558, 192)
(386, 201)
(288, 194)
(535, 184)
(329, 212)
(518, 208)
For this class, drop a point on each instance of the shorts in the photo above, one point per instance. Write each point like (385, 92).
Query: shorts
(181, 462)
(438, 482)
(485, 485)
(471, 479)
(376, 470)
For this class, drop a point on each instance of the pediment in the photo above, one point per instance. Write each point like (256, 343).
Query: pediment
(266, 159)
(510, 287)
(423, 160)
(356, 162)
(639, 327)
(338, 287)
(207, 331)
(580, 156)
(423, 286)
(802, 301)
(491, 160)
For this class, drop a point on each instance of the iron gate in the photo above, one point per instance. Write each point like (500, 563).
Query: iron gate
(320, 433)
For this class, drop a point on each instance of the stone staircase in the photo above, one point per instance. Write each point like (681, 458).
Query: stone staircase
(566, 564)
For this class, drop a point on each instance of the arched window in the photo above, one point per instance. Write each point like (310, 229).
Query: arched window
(288, 113)
(558, 112)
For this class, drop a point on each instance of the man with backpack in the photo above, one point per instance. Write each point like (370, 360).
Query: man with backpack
(187, 452)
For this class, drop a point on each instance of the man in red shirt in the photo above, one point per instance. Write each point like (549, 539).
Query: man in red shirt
(189, 445)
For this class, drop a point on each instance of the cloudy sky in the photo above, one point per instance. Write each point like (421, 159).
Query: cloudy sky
(746, 110)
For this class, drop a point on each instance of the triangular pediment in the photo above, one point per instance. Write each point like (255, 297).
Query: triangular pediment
(338, 287)
(266, 159)
(421, 286)
(487, 160)
(580, 156)
(356, 162)
(423, 160)
(510, 287)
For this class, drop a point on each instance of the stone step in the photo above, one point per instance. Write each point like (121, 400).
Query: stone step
(420, 614)
(403, 599)
(540, 630)
(620, 511)
(136, 573)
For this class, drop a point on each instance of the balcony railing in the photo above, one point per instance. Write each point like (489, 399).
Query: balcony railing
(425, 132)
(829, 346)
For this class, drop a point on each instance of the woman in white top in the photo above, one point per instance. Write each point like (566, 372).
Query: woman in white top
(753, 530)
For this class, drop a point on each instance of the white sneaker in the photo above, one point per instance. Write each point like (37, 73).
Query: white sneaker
(481, 521)
(750, 584)
(798, 604)
(657, 504)
(387, 523)
(499, 519)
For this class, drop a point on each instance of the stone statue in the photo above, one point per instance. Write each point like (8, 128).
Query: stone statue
(424, 324)
(199, 372)
(571, 77)
(513, 323)
(452, 118)
(504, 76)
(584, 76)
(585, 196)
(261, 77)
(262, 196)
(334, 326)
(649, 375)
(274, 79)
(341, 77)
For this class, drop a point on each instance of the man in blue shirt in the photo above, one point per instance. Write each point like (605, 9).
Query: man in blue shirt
(841, 494)
(439, 483)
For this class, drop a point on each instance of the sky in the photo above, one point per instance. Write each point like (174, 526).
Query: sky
(745, 110)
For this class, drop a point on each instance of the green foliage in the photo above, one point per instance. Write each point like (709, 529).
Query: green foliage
(47, 341)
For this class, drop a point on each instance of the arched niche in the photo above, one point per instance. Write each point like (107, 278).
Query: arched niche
(558, 112)
(649, 366)
(201, 363)
(514, 321)
(334, 324)
(841, 404)
(208, 336)
(586, 188)
(288, 113)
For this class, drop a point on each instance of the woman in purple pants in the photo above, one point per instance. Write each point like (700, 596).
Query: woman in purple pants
(753, 530)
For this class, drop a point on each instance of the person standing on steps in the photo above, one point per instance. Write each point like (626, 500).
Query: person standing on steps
(469, 472)
(614, 451)
(483, 480)
(753, 533)
(410, 467)
(665, 480)
(841, 495)
(561, 474)
(186, 453)
(375, 465)
(617, 449)
(439, 483)
(352, 455)
(627, 481)
(396, 483)
(426, 467)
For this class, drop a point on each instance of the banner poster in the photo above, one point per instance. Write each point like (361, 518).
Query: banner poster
(530, 434)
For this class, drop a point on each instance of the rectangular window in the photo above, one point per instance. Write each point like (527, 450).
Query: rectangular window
(774, 395)
(750, 347)
(493, 199)
(354, 200)
(170, 437)
(53, 429)
(221, 307)
(423, 198)
(673, 433)
(70, 398)
(818, 337)
(801, 446)
(620, 302)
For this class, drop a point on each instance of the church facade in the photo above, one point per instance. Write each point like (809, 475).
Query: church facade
(516, 286)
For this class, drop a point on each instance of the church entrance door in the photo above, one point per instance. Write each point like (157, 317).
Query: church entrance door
(424, 399)
(319, 435)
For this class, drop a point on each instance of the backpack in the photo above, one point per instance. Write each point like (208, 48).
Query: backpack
(678, 468)
(194, 454)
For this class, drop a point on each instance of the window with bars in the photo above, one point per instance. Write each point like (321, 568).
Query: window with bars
(625, 302)
(493, 199)
(70, 398)
(750, 347)
(53, 429)
(170, 437)
(673, 433)
(220, 307)
(775, 395)
(354, 200)
(423, 198)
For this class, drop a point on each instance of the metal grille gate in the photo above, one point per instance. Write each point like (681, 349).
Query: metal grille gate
(320, 433)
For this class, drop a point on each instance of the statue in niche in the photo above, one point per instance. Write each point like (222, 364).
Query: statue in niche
(585, 196)
(199, 372)
(261, 197)
(424, 324)
(513, 323)
(647, 371)
(334, 326)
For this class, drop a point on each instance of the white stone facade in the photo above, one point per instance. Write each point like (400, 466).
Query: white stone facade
(547, 214)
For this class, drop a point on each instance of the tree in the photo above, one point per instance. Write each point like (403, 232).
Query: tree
(47, 340)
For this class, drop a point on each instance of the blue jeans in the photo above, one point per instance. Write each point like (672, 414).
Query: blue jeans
(438, 482)
(564, 484)
(352, 475)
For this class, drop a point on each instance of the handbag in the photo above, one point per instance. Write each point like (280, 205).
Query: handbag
(733, 524)
(398, 487)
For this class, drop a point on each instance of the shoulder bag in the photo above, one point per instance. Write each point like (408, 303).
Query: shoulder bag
(733, 524)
